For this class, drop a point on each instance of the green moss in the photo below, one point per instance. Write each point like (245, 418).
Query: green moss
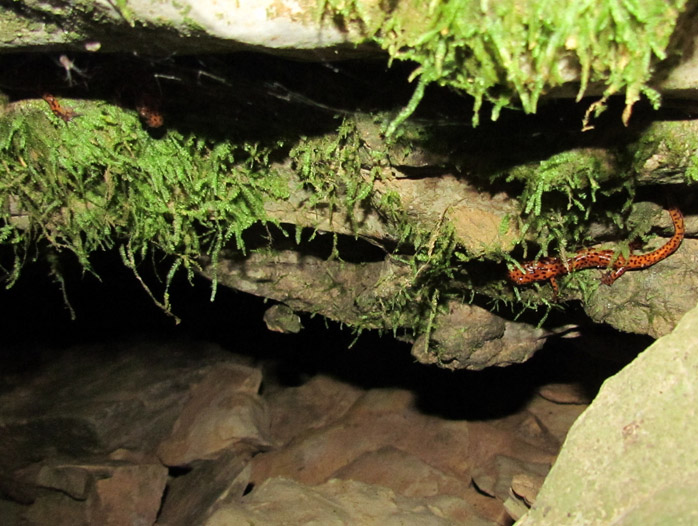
(122, 8)
(513, 51)
(14, 26)
(668, 148)
(560, 193)
(341, 170)
(331, 165)
(101, 180)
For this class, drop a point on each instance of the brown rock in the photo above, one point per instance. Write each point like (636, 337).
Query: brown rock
(95, 399)
(403, 473)
(499, 483)
(105, 493)
(318, 402)
(335, 503)
(224, 410)
(132, 495)
(281, 318)
(75, 480)
(470, 337)
(192, 498)
(565, 393)
(526, 486)
(11, 512)
(409, 476)
(556, 418)
(489, 440)
(381, 417)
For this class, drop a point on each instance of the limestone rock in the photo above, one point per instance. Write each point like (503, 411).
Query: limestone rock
(491, 439)
(507, 469)
(488, 341)
(402, 472)
(379, 418)
(111, 493)
(650, 302)
(199, 25)
(223, 410)
(564, 393)
(632, 457)
(281, 318)
(313, 405)
(555, 418)
(476, 216)
(192, 498)
(409, 476)
(96, 399)
(335, 503)
(526, 486)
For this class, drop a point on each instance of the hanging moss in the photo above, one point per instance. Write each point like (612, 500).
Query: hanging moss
(510, 52)
(102, 179)
(341, 169)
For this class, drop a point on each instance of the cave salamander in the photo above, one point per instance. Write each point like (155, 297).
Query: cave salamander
(549, 268)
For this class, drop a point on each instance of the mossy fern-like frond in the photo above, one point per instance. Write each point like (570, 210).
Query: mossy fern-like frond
(101, 180)
(510, 52)
(331, 166)
(560, 193)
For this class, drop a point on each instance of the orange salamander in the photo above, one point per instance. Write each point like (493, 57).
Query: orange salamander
(148, 108)
(63, 112)
(550, 268)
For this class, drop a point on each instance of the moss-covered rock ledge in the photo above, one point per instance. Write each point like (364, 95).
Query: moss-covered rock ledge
(394, 234)
(359, 192)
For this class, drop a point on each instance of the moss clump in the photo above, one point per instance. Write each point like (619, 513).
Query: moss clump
(668, 151)
(102, 180)
(511, 50)
(331, 166)
(341, 170)
(560, 193)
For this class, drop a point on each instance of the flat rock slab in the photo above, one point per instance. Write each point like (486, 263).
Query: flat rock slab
(186, 26)
(223, 410)
(96, 399)
(338, 503)
(191, 498)
(106, 493)
(632, 457)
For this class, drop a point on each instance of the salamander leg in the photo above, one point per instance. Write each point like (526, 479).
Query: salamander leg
(610, 277)
(556, 288)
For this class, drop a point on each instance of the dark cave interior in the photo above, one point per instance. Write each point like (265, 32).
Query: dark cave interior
(113, 306)
(37, 326)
